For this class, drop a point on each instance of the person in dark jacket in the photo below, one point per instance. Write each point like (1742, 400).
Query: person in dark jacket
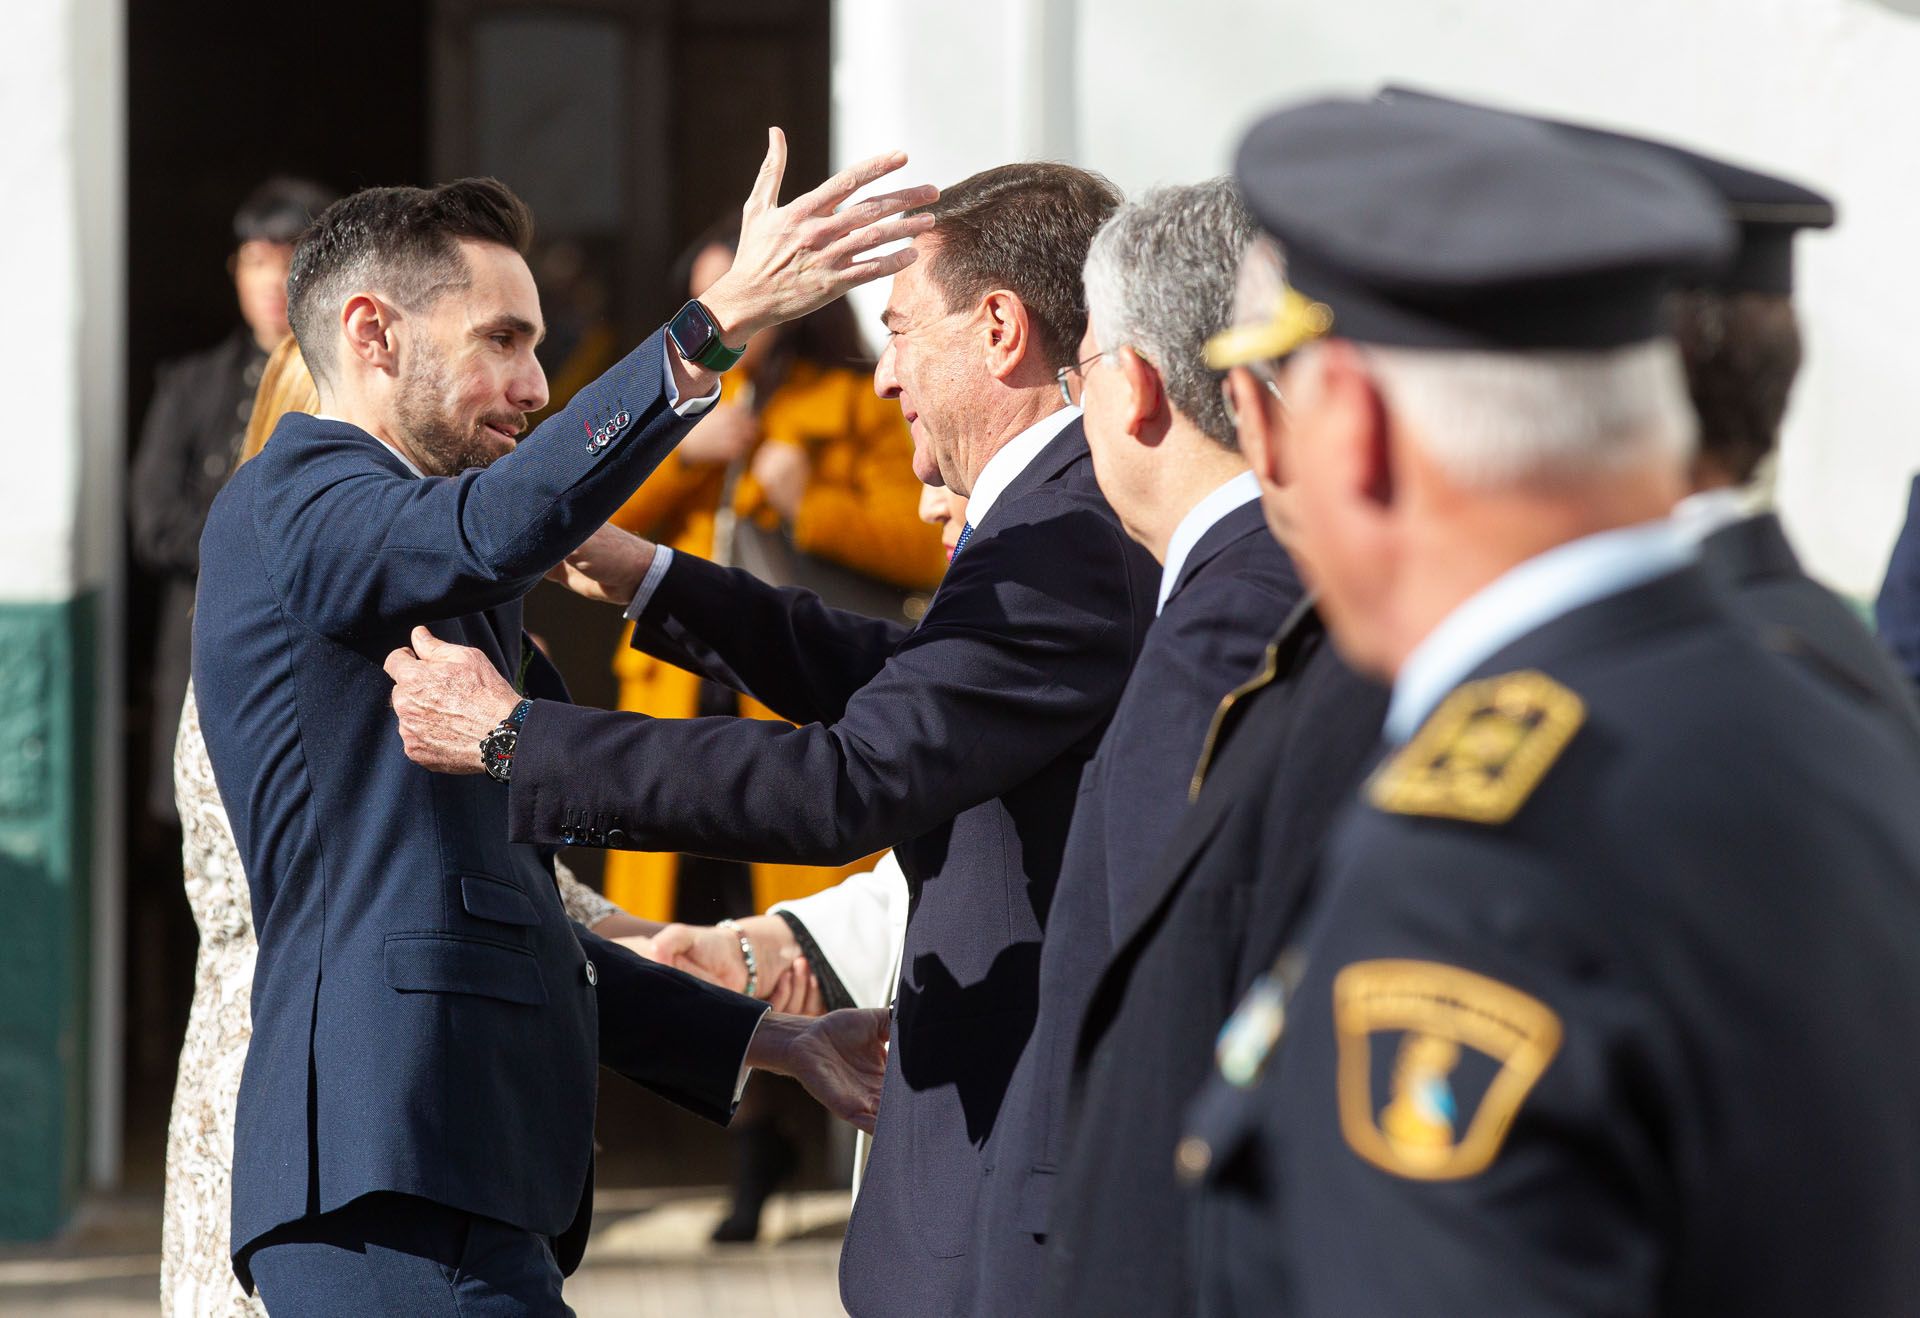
(191, 442)
(1202, 914)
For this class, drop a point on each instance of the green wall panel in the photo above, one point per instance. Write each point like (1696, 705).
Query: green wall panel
(47, 701)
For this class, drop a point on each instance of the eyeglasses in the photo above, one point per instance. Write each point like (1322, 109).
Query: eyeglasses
(1063, 378)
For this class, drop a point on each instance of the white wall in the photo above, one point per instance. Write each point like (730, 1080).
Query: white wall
(1823, 90)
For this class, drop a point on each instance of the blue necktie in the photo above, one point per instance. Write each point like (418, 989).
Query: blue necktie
(966, 534)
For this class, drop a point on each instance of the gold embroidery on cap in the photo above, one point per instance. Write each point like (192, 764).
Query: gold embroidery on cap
(1482, 753)
(1421, 1125)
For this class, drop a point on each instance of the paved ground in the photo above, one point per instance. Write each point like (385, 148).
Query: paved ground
(649, 1257)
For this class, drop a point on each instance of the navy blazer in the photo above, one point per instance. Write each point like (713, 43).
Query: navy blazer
(1714, 890)
(1233, 592)
(960, 743)
(1795, 614)
(1897, 610)
(1287, 753)
(424, 1015)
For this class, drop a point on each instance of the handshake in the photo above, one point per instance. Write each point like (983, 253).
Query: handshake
(758, 956)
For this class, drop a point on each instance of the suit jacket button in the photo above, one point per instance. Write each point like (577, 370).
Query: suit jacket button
(616, 837)
(567, 837)
(593, 976)
(596, 838)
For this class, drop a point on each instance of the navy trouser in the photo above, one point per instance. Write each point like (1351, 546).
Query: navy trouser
(395, 1254)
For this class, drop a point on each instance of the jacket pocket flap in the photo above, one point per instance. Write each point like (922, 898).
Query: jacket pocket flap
(448, 963)
(496, 900)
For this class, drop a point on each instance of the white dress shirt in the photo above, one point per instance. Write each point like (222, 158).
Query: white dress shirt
(1525, 598)
(1200, 519)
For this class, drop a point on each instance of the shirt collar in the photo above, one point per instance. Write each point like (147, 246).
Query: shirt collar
(405, 461)
(1524, 599)
(1012, 459)
(1700, 515)
(1200, 519)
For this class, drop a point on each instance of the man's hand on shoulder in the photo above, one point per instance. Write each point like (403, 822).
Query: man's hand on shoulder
(447, 698)
(608, 568)
(841, 1058)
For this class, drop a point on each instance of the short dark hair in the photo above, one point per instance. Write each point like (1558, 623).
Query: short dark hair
(404, 241)
(1742, 351)
(1026, 228)
(279, 210)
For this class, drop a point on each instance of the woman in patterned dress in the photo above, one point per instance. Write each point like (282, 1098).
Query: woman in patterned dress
(196, 1275)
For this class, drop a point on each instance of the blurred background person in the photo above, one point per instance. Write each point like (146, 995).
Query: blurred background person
(191, 441)
(196, 1268)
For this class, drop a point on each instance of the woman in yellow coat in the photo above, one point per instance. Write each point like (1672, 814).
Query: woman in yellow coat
(799, 447)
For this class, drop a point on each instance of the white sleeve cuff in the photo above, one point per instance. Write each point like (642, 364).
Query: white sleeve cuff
(662, 560)
(740, 1085)
(692, 406)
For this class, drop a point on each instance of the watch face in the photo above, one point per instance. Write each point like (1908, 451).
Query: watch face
(496, 753)
(692, 330)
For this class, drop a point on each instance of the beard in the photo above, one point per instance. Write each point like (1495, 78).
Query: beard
(446, 446)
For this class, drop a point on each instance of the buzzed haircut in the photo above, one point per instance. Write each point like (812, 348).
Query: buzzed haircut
(1025, 228)
(401, 242)
(1741, 351)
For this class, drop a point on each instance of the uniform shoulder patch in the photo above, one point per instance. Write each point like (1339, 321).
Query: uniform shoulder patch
(1434, 1064)
(1481, 754)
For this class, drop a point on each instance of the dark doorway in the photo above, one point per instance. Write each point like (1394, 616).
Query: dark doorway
(219, 99)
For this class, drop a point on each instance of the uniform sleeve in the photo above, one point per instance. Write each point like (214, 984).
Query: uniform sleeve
(1464, 1115)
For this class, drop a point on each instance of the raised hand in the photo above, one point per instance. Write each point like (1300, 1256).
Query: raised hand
(796, 258)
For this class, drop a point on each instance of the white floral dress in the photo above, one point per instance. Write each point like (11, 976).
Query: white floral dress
(196, 1276)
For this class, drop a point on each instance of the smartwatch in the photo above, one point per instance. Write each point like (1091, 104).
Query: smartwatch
(498, 746)
(695, 333)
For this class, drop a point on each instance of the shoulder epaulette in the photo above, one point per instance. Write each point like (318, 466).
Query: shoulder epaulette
(1482, 753)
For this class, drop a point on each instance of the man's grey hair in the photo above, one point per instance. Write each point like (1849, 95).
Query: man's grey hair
(1160, 280)
(1503, 418)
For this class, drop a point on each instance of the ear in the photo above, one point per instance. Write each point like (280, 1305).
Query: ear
(1146, 400)
(1367, 437)
(368, 325)
(1258, 421)
(1008, 330)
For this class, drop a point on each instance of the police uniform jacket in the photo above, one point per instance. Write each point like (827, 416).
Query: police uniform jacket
(1284, 756)
(1611, 1006)
(1753, 560)
(1231, 592)
(426, 1020)
(959, 742)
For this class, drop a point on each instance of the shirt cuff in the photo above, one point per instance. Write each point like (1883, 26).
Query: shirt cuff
(662, 560)
(692, 406)
(740, 1085)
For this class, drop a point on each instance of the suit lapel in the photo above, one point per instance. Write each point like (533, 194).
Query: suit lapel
(1060, 452)
(1236, 526)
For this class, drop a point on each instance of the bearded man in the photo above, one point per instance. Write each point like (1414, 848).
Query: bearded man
(415, 1122)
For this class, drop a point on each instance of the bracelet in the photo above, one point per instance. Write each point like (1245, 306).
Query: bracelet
(746, 951)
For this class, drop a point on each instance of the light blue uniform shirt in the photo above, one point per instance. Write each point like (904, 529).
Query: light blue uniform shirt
(1527, 597)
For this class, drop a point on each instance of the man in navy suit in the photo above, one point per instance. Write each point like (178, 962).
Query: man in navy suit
(415, 1120)
(1159, 279)
(959, 743)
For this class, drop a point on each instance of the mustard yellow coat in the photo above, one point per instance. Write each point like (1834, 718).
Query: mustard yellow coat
(860, 510)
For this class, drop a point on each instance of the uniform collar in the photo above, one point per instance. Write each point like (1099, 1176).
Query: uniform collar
(1200, 519)
(1699, 515)
(1524, 599)
(1012, 459)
